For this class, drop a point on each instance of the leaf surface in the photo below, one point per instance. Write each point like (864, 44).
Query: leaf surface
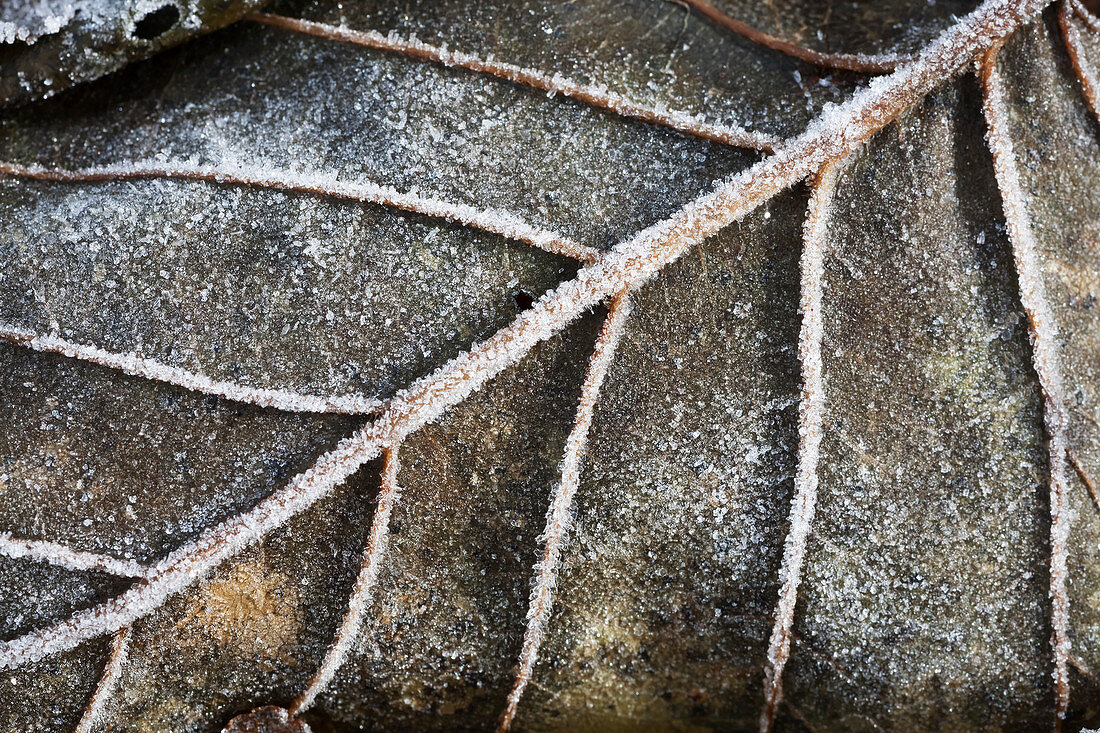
(222, 218)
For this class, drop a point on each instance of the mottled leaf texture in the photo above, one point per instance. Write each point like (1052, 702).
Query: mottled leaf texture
(517, 364)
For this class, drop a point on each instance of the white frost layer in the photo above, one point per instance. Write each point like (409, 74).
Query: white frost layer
(838, 131)
(1083, 13)
(116, 658)
(596, 95)
(495, 221)
(28, 20)
(363, 592)
(559, 516)
(1045, 358)
(811, 411)
(63, 556)
(139, 366)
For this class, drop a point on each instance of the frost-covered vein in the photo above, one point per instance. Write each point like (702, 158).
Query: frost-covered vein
(810, 415)
(629, 264)
(863, 63)
(65, 557)
(363, 592)
(1025, 252)
(139, 366)
(1086, 17)
(559, 516)
(1075, 48)
(112, 670)
(595, 95)
(494, 221)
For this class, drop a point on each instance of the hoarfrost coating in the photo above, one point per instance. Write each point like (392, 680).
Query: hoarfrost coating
(629, 264)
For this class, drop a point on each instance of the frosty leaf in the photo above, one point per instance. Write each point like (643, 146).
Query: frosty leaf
(433, 136)
(921, 318)
(1068, 237)
(682, 501)
(358, 221)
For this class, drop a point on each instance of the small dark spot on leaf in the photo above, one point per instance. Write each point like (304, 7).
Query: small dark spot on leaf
(524, 300)
(157, 22)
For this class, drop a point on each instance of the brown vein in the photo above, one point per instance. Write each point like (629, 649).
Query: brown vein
(1025, 252)
(1075, 48)
(112, 670)
(596, 96)
(810, 416)
(138, 366)
(862, 63)
(1087, 14)
(363, 592)
(559, 516)
(1081, 474)
(494, 221)
(626, 266)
